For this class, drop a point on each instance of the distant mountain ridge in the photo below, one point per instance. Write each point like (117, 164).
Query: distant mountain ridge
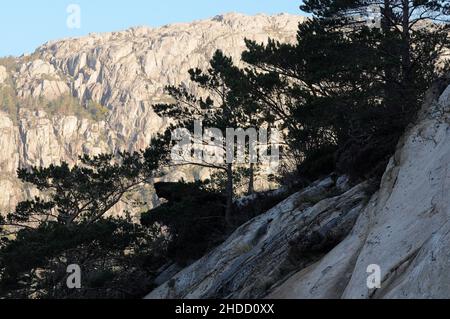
(94, 94)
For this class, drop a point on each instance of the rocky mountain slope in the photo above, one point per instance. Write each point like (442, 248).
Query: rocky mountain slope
(320, 242)
(94, 94)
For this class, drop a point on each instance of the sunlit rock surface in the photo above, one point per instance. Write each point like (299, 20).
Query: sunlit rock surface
(403, 228)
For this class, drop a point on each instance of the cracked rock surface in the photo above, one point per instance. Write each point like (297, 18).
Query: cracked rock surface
(257, 255)
(404, 229)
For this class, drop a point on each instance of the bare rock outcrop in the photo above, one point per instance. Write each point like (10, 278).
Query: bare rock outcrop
(404, 229)
(259, 254)
(332, 246)
(3, 74)
(39, 79)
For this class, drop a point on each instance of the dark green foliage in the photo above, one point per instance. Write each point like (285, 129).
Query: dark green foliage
(193, 217)
(350, 86)
(218, 109)
(343, 94)
(318, 163)
(259, 203)
(85, 192)
(218, 181)
(117, 257)
(70, 225)
(228, 104)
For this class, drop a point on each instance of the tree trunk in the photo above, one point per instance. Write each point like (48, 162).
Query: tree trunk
(251, 183)
(406, 57)
(406, 38)
(389, 68)
(229, 196)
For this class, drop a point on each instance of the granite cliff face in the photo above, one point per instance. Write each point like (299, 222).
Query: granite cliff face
(115, 78)
(325, 241)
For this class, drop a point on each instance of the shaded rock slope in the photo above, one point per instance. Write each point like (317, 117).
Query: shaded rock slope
(320, 242)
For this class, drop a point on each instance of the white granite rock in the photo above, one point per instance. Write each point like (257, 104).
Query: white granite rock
(3, 74)
(256, 255)
(123, 71)
(403, 229)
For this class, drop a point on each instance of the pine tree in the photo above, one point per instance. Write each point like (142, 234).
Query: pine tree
(70, 224)
(226, 105)
(350, 88)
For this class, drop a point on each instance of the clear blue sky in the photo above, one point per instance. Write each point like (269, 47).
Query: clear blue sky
(26, 24)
